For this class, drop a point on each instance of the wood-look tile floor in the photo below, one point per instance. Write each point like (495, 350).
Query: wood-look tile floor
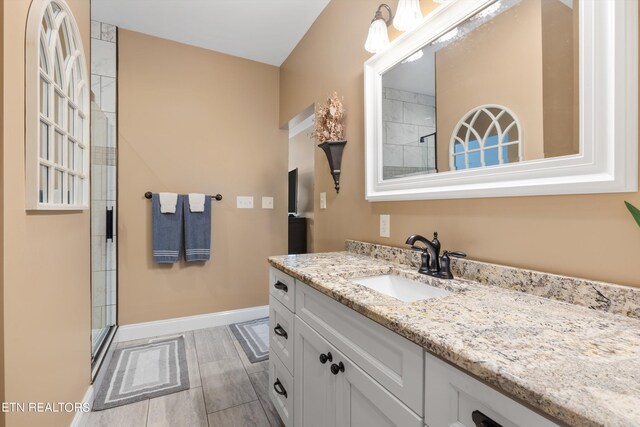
(226, 390)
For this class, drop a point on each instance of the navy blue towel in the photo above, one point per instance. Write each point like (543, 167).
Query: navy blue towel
(197, 232)
(166, 231)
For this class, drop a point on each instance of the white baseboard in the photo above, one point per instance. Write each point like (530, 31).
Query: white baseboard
(184, 324)
(79, 419)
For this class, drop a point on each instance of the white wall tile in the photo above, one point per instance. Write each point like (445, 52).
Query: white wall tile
(111, 287)
(95, 30)
(401, 95)
(108, 94)
(98, 289)
(98, 218)
(111, 183)
(392, 155)
(426, 100)
(392, 110)
(111, 130)
(417, 114)
(96, 182)
(97, 253)
(413, 157)
(398, 133)
(103, 58)
(108, 33)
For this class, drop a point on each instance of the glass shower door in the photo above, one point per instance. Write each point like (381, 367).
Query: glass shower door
(103, 232)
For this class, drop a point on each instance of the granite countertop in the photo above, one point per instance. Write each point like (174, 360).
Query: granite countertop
(577, 365)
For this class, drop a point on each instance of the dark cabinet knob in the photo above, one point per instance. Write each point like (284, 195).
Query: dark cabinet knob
(279, 330)
(324, 358)
(279, 388)
(481, 420)
(281, 286)
(336, 369)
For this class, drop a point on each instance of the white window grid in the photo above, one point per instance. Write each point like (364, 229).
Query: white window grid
(58, 143)
(496, 113)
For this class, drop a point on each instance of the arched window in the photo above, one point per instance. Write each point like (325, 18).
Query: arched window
(488, 135)
(57, 110)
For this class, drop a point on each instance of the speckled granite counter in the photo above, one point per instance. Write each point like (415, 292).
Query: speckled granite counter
(577, 365)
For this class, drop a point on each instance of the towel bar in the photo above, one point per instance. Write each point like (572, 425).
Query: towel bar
(148, 195)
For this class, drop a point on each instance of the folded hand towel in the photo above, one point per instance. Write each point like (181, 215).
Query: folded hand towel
(166, 231)
(168, 202)
(196, 202)
(197, 232)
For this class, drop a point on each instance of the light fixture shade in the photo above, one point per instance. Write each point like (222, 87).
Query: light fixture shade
(378, 37)
(408, 15)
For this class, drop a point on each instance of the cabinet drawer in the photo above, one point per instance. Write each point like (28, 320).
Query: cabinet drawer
(281, 333)
(452, 397)
(393, 361)
(283, 288)
(281, 390)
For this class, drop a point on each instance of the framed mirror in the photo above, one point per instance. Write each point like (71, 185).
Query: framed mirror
(490, 98)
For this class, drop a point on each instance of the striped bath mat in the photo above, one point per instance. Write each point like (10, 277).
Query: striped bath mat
(143, 372)
(253, 336)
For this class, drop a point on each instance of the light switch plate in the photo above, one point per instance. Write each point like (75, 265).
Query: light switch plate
(323, 200)
(267, 203)
(385, 225)
(244, 202)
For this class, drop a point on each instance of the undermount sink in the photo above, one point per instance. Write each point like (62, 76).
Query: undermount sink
(406, 290)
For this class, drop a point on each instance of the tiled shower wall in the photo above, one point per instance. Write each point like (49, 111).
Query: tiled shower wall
(103, 175)
(408, 116)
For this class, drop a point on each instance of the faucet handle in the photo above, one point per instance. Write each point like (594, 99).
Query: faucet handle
(455, 254)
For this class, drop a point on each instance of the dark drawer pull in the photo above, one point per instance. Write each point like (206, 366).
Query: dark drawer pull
(324, 358)
(281, 286)
(336, 369)
(279, 330)
(481, 420)
(277, 386)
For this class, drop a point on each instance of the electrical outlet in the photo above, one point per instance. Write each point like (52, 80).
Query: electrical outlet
(267, 203)
(244, 202)
(385, 225)
(323, 200)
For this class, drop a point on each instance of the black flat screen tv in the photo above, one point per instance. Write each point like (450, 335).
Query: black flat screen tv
(293, 192)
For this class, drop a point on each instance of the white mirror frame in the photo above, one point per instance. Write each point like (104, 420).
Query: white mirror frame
(608, 159)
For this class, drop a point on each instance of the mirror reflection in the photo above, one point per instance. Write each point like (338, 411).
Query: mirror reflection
(499, 88)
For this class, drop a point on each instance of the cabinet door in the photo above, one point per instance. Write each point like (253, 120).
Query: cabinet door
(314, 384)
(361, 401)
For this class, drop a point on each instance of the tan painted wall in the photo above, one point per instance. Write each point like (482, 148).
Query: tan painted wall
(560, 128)
(46, 261)
(192, 120)
(514, 79)
(589, 236)
(301, 156)
(2, 423)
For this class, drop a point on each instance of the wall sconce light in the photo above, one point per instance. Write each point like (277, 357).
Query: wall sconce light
(407, 17)
(378, 37)
(333, 150)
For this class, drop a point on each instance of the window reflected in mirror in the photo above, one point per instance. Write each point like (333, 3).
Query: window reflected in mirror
(500, 88)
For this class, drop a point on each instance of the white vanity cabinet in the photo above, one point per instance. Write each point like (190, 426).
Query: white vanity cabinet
(377, 377)
(453, 397)
(337, 368)
(337, 393)
(282, 289)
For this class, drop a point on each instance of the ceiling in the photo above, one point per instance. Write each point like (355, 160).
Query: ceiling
(261, 30)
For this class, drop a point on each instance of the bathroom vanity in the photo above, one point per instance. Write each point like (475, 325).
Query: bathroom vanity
(474, 354)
